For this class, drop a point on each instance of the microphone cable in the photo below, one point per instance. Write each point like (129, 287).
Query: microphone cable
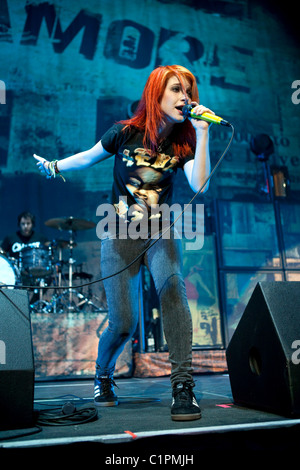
(148, 247)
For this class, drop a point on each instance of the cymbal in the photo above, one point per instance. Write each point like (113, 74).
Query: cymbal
(64, 244)
(69, 223)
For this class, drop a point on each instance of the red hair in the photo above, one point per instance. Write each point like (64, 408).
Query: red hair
(148, 115)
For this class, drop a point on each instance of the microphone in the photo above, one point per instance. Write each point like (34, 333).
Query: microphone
(187, 111)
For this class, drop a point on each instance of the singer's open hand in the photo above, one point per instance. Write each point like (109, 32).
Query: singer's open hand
(199, 109)
(42, 165)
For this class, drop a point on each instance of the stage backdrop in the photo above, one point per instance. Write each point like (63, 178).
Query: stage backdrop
(70, 69)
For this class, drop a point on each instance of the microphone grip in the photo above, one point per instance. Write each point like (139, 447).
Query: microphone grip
(208, 117)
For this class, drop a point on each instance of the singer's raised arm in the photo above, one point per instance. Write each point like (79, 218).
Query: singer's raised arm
(198, 169)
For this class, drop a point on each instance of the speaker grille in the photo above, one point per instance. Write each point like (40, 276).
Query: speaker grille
(16, 360)
(260, 354)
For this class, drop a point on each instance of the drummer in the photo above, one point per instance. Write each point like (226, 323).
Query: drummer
(14, 244)
(25, 236)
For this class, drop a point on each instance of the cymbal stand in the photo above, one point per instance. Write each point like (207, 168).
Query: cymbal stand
(71, 262)
(41, 284)
(58, 275)
(59, 268)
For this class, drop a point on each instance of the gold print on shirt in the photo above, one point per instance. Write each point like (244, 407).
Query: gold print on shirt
(160, 161)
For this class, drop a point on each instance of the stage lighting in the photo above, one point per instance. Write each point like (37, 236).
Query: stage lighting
(262, 146)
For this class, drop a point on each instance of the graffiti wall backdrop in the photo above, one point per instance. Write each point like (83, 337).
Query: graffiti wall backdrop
(69, 69)
(72, 68)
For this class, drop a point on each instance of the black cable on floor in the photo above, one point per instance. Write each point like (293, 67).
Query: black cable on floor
(67, 415)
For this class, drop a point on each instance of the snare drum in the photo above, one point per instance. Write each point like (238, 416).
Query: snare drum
(8, 272)
(36, 261)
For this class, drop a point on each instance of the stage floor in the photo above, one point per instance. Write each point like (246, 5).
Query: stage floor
(141, 424)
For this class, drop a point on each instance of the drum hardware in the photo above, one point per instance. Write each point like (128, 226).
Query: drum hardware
(87, 302)
(84, 300)
(54, 305)
(20, 262)
(40, 306)
(60, 302)
(70, 298)
(82, 275)
(40, 266)
(71, 262)
(41, 291)
(70, 224)
(61, 245)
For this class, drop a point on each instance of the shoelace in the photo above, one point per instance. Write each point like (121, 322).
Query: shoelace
(184, 392)
(107, 383)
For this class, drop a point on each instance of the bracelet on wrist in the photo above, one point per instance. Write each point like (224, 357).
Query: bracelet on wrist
(55, 167)
(53, 170)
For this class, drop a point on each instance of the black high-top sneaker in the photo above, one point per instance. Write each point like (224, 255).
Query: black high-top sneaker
(104, 394)
(184, 405)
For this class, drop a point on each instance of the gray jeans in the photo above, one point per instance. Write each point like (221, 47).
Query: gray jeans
(164, 262)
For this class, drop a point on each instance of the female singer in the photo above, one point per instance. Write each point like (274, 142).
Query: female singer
(148, 149)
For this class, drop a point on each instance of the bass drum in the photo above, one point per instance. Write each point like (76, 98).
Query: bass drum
(8, 272)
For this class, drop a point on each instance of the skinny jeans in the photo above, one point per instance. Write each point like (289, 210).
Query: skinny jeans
(164, 261)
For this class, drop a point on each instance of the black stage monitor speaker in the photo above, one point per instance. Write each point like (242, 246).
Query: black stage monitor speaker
(263, 355)
(16, 360)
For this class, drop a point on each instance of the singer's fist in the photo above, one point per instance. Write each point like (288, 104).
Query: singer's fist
(199, 109)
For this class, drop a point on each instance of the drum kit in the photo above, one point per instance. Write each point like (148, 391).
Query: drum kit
(42, 267)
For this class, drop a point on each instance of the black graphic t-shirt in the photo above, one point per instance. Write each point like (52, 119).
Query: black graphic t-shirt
(13, 244)
(141, 180)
